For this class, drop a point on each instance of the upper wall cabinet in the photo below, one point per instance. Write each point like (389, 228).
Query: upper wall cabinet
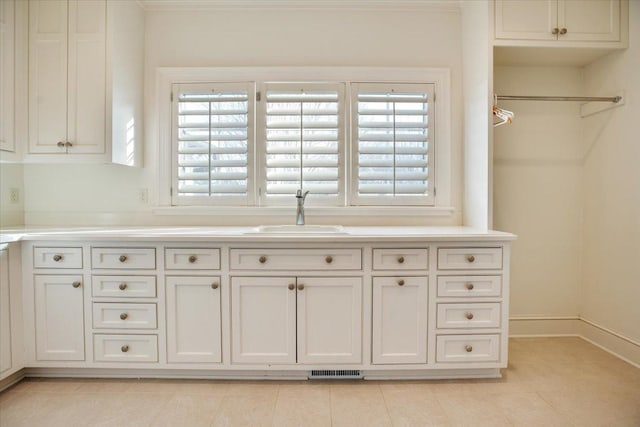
(7, 36)
(85, 81)
(561, 22)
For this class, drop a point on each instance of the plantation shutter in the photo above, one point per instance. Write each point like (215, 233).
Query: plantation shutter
(393, 144)
(303, 143)
(213, 142)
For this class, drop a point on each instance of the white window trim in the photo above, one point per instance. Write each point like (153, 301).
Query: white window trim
(167, 76)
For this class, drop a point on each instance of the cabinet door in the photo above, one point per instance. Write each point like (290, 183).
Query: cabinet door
(193, 320)
(86, 76)
(263, 320)
(47, 75)
(329, 320)
(5, 313)
(526, 19)
(399, 320)
(59, 317)
(7, 34)
(589, 20)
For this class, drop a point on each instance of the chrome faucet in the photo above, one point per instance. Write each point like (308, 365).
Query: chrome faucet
(300, 209)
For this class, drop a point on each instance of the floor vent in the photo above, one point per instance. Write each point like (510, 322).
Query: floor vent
(345, 374)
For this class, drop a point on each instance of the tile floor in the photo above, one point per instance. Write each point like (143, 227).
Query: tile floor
(549, 382)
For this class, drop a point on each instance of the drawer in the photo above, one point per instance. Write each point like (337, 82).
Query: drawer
(123, 258)
(400, 259)
(124, 286)
(296, 259)
(469, 258)
(57, 257)
(469, 286)
(124, 316)
(125, 348)
(471, 315)
(467, 348)
(192, 259)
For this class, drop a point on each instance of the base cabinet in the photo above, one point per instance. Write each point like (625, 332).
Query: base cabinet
(193, 320)
(59, 313)
(5, 314)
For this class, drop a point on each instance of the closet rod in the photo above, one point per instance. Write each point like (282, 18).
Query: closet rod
(614, 99)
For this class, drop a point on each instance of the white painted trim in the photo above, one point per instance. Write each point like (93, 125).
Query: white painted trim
(611, 332)
(309, 211)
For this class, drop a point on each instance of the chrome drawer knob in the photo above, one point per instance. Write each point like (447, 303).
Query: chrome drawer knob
(329, 259)
(122, 258)
(468, 348)
(468, 315)
(471, 258)
(123, 316)
(193, 259)
(76, 284)
(401, 260)
(300, 287)
(262, 259)
(469, 286)
(124, 348)
(122, 286)
(215, 286)
(57, 257)
(291, 286)
(400, 282)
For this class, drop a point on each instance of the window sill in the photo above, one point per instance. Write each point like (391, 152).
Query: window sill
(446, 211)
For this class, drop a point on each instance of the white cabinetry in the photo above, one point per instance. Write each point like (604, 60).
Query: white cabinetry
(561, 20)
(84, 92)
(5, 314)
(7, 81)
(59, 312)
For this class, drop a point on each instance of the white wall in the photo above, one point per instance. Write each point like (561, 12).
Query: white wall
(538, 190)
(610, 296)
(11, 214)
(82, 194)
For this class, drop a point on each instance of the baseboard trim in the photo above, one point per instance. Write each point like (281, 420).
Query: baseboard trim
(617, 344)
(12, 379)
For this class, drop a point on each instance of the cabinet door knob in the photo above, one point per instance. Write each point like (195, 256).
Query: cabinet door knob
(123, 316)
(291, 286)
(76, 284)
(470, 258)
(57, 257)
(122, 286)
(563, 31)
(122, 258)
(193, 259)
(555, 31)
(400, 282)
(469, 286)
(68, 144)
(300, 287)
(401, 260)
(468, 315)
(468, 348)
(60, 144)
(262, 259)
(124, 348)
(215, 285)
(329, 259)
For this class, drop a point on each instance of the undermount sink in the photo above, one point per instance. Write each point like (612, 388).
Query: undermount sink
(298, 229)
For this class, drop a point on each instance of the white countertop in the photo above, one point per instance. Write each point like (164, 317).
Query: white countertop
(248, 234)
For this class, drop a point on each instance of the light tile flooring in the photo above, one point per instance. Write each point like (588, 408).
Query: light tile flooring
(549, 382)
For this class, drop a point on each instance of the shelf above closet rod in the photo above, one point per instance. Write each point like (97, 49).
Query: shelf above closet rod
(614, 99)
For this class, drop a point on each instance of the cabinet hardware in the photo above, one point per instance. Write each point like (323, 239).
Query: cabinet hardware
(57, 257)
(122, 286)
(124, 348)
(400, 282)
(60, 144)
(329, 259)
(300, 287)
(468, 348)
(262, 259)
(123, 316)
(68, 144)
(469, 286)
(122, 258)
(471, 258)
(400, 260)
(291, 286)
(215, 286)
(193, 259)
(555, 31)
(468, 315)
(563, 31)
(76, 284)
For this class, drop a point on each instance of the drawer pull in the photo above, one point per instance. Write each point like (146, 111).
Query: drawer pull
(469, 286)
(400, 282)
(76, 284)
(468, 315)
(123, 258)
(193, 259)
(262, 259)
(291, 286)
(215, 286)
(401, 260)
(122, 286)
(300, 287)
(471, 258)
(57, 257)
(468, 348)
(124, 348)
(329, 259)
(123, 316)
